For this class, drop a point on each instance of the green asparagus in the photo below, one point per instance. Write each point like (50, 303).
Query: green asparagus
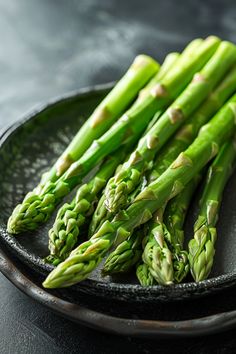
(172, 60)
(129, 175)
(169, 62)
(144, 276)
(125, 256)
(71, 216)
(202, 246)
(170, 241)
(174, 218)
(188, 132)
(163, 252)
(101, 213)
(99, 216)
(112, 106)
(182, 139)
(37, 208)
(84, 259)
(170, 233)
(157, 254)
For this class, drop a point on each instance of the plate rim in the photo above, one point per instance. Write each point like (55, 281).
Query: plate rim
(173, 291)
(113, 324)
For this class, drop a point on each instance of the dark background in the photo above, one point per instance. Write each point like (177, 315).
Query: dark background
(51, 47)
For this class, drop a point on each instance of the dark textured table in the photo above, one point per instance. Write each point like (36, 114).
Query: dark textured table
(51, 47)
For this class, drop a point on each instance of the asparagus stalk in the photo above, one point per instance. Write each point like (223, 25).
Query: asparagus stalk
(174, 218)
(71, 216)
(99, 216)
(112, 106)
(84, 259)
(129, 175)
(169, 62)
(125, 256)
(144, 275)
(202, 246)
(157, 254)
(101, 213)
(37, 208)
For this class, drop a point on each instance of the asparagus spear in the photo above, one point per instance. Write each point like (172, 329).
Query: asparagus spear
(129, 176)
(112, 106)
(157, 254)
(84, 259)
(202, 246)
(174, 218)
(71, 216)
(144, 276)
(125, 256)
(37, 208)
(99, 216)
(169, 62)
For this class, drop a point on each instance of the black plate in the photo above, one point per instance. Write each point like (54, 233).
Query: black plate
(115, 317)
(30, 146)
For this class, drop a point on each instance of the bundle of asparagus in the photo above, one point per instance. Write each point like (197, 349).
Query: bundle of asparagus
(38, 205)
(63, 235)
(203, 82)
(177, 119)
